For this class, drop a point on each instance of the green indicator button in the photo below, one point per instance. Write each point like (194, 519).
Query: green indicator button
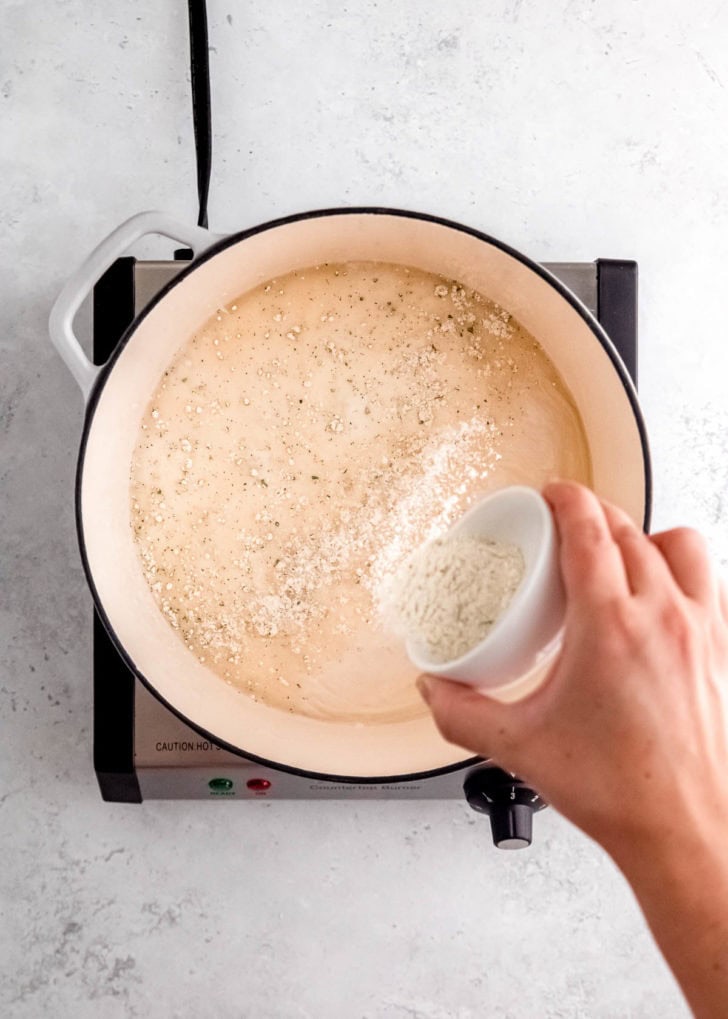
(220, 784)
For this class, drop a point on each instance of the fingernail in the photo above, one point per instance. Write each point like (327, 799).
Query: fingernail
(549, 483)
(556, 487)
(424, 685)
(558, 481)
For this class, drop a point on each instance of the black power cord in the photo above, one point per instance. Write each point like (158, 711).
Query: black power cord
(201, 110)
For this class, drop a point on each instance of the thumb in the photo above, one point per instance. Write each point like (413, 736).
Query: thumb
(467, 718)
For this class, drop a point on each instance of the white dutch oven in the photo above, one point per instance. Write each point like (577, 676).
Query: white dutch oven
(117, 394)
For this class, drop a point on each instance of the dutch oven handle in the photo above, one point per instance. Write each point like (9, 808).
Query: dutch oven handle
(81, 282)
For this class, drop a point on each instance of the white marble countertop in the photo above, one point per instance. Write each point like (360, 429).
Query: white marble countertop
(570, 129)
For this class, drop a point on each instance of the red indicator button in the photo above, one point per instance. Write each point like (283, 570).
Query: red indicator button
(258, 785)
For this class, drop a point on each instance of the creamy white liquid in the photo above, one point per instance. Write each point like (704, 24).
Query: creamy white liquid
(307, 439)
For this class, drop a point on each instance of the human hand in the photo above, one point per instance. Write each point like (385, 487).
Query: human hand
(628, 737)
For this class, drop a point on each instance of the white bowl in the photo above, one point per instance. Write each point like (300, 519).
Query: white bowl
(515, 656)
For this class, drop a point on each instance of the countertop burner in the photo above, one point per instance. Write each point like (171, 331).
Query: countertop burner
(141, 749)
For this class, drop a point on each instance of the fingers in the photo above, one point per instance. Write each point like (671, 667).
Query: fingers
(591, 562)
(605, 555)
(686, 554)
(644, 564)
(467, 718)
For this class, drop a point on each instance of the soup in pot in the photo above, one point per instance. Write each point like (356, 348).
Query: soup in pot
(308, 438)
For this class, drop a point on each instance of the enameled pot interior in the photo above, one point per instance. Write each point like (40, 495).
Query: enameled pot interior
(231, 717)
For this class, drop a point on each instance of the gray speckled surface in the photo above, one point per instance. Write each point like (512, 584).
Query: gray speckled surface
(570, 129)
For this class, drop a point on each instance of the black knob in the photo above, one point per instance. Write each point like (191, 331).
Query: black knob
(511, 825)
(509, 803)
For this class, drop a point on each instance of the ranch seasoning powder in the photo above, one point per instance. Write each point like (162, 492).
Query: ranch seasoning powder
(449, 592)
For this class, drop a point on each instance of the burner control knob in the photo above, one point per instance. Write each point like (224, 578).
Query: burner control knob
(509, 803)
